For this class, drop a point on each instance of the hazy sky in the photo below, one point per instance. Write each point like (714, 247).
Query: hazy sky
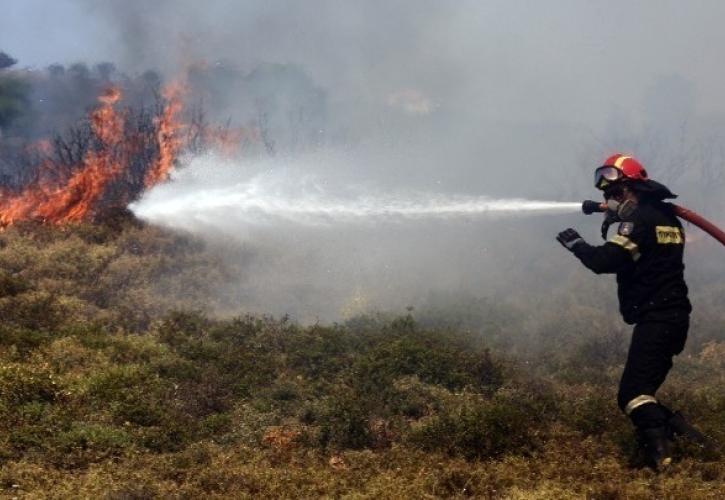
(495, 75)
(567, 60)
(500, 98)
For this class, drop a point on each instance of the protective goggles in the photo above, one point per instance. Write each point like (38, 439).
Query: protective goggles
(603, 176)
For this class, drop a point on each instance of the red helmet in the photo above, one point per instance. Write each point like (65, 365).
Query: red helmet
(618, 168)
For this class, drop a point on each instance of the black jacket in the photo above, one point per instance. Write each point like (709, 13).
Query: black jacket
(646, 254)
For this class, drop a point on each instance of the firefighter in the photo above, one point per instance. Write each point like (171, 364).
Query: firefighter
(646, 256)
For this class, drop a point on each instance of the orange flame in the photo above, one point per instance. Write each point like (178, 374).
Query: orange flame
(71, 193)
(169, 135)
(77, 197)
(230, 141)
(75, 200)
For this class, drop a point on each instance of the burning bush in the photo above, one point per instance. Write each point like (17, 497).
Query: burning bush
(130, 141)
(105, 162)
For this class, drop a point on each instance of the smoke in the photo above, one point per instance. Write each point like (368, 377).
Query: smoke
(322, 242)
(390, 133)
(470, 93)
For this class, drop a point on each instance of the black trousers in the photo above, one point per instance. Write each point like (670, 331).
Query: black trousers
(654, 343)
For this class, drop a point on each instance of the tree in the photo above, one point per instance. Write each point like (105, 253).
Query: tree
(13, 99)
(13, 93)
(6, 61)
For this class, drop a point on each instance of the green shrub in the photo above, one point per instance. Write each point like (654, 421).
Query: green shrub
(35, 310)
(590, 410)
(320, 352)
(344, 422)
(11, 285)
(111, 360)
(480, 428)
(132, 394)
(23, 340)
(449, 359)
(21, 384)
(86, 442)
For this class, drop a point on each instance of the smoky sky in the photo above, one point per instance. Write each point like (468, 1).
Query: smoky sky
(498, 98)
(508, 60)
(581, 54)
(495, 90)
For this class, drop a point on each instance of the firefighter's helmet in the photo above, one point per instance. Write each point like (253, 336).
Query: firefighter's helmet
(618, 168)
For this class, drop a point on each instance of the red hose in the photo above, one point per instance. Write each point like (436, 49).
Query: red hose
(700, 222)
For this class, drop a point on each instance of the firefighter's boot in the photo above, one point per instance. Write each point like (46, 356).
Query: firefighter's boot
(681, 427)
(657, 447)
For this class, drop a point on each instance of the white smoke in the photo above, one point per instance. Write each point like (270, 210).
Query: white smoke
(314, 238)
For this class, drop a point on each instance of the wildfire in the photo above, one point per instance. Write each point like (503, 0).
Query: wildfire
(76, 196)
(114, 158)
(229, 141)
(168, 136)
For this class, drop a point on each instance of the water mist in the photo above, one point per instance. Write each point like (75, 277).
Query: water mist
(214, 192)
(313, 238)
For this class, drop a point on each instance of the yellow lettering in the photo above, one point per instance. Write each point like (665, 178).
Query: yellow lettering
(668, 235)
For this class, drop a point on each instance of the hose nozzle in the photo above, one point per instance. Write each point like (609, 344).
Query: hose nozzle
(590, 206)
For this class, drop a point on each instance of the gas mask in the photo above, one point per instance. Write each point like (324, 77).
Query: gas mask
(621, 210)
(617, 212)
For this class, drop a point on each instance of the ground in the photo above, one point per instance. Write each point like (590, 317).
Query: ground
(116, 383)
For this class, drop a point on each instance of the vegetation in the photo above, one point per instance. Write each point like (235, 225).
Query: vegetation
(114, 384)
(13, 93)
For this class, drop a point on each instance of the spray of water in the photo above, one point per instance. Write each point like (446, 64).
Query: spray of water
(313, 238)
(284, 195)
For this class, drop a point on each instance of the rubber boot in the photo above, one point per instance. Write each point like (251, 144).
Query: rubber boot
(681, 427)
(657, 449)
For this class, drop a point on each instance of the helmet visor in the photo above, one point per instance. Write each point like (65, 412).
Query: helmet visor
(606, 175)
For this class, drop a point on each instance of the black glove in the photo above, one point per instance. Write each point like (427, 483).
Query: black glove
(569, 238)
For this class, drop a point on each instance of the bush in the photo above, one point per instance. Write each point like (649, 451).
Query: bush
(86, 442)
(451, 359)
(21, 384)
(22, 340)
(344, 421)
(481, 428)
(590, 410)
(133, 395)
(11, 285)
(103, 372)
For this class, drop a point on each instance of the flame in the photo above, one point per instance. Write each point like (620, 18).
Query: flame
(63, 193)
(76, 197)
(41, 147)
(169, 135)
(230, 141)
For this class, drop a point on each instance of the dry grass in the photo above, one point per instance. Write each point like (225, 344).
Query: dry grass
(106, 392)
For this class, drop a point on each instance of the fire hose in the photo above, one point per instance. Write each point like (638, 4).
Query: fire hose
(590, 207)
